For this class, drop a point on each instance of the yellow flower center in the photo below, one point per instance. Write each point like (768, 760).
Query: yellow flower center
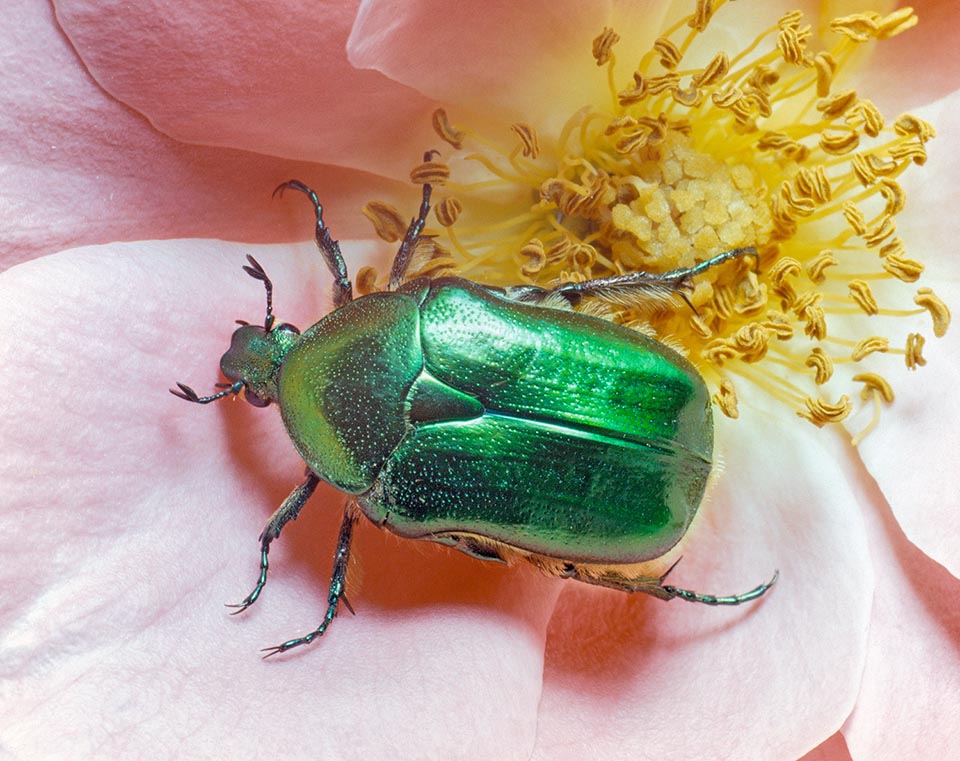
(754, 149)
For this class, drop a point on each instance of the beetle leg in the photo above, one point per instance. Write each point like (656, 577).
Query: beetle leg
(402, 260)
(337, 581)
(623, 288)
(653, 585)
(690, 596)
(328, 247)
(287, 512)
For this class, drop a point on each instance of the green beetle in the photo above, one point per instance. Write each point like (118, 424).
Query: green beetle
(497, 421)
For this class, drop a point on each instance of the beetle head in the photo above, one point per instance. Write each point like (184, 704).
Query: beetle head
(252, 363)
(254, 359)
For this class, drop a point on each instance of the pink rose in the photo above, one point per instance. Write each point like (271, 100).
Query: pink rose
(137, 141)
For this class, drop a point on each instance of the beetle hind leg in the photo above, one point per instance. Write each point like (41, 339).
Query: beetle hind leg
(288, 511)
(336, 594)
(655, 586)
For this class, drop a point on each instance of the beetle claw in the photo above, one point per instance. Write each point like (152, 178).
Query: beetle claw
(345, 601)
(185, 393)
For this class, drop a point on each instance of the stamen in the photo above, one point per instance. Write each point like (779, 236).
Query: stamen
(754, 149)
(442, 126)
(820, 412)
(927, 299)
(713, 72)
(387, 222)
(603, 44)
(914, 352)
(860, 292)
(877, 389)
(537, 257)
(873, 382)
(670, 54)
(816, 267)
(432, 172)
(448, 211)
(868, 346)
(822, 365)
(366, 281)
(826, 66)
(726, 399)
(910, 126)
(529, 141)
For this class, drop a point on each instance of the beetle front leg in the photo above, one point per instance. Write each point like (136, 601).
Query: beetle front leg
(287, 512)
(328, 247)
(402, 260)
(337, 582)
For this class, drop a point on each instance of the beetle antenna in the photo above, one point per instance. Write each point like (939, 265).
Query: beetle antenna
(256, 271)
(190, 395)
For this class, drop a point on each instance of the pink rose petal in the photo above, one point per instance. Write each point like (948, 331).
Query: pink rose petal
(79, 167)
(907, 707)
(130, 517)
(832, 749)
(489, 53)
(272, 78)
(637, 678)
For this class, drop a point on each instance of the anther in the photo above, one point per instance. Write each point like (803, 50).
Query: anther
(713, 72)
(822, 365)
(914, 351)
(430, 173)
(529, 140)
(868, 346)
(448, 211)
(726, 400)
(387, 221)
(873, 383)
(928, 300)
(860, 292)
(839, 143)
(603, 45)
(443, 128)
(820, 412)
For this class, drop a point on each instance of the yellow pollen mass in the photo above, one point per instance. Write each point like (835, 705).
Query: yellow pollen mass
(761, 147)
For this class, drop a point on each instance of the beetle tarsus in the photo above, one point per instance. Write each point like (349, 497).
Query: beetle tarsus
(190, 395)
(328, 247)
(337, 582)
(257, 272)
(690, 596)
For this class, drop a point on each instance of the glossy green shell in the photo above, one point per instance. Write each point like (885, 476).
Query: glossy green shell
(449, 410)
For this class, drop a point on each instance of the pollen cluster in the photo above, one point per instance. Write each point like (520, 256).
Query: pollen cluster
(760, 147)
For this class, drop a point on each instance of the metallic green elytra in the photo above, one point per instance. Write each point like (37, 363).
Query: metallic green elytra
(495, 420)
